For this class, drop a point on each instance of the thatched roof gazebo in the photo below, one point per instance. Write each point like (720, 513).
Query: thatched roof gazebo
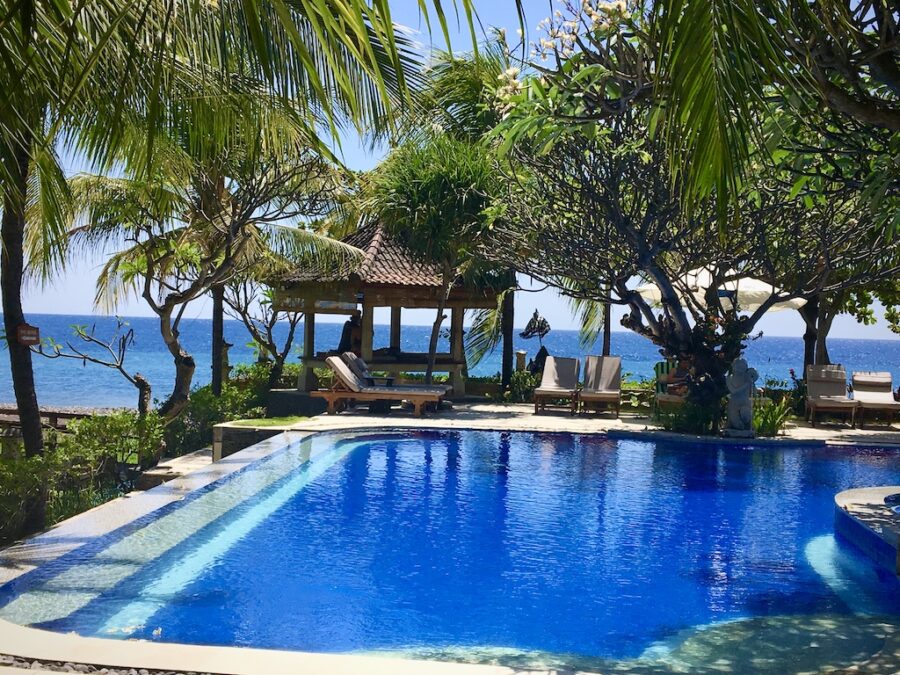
(385, 275)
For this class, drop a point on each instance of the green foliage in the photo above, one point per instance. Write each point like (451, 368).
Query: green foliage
(94, 461)
(691, 418)
(521, 387)
(21, 480)
(769, 417)
(120, 438)
(243, 396)
(433, 196)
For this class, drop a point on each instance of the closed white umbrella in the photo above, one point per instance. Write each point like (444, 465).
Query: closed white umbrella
(751, 293)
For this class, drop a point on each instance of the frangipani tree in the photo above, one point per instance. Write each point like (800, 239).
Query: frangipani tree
(592, 209)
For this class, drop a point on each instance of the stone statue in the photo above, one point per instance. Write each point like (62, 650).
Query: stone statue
(740, 403)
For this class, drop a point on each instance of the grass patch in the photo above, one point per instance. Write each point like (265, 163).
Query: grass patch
(270, 421)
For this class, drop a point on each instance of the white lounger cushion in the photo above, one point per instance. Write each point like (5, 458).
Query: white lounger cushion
(874, 390)
(352, 382)
(827, 386)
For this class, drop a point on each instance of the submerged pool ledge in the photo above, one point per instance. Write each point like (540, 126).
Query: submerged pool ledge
(27, 555)
(862, 519)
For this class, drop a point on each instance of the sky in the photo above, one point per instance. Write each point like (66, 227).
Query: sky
(73, 292)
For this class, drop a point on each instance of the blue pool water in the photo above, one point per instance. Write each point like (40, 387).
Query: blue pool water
(408, 541)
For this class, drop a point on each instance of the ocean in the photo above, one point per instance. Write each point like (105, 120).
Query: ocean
(66, 382)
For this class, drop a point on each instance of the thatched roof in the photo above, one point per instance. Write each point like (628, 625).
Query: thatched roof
(384, 261)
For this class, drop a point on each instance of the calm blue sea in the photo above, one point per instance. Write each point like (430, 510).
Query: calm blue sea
(67, 382)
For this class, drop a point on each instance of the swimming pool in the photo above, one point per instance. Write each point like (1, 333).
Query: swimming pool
(528, 548)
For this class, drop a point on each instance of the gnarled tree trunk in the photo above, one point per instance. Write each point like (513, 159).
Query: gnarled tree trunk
(144, 394)
(184, 370)
(810, 314)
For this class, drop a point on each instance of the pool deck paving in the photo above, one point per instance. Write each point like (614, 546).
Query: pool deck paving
(31, 643)
(521, 417)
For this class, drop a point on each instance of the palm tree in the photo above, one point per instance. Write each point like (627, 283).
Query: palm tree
(188, 229)
(721, 61)
(433, 197)
(75, 70)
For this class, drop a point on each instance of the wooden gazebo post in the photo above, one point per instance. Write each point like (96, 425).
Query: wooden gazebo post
(368, 331)
(457, 351)
(309, 351)
(395, 328)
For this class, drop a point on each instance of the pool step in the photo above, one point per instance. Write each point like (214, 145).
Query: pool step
(169, 469)
(867, 522)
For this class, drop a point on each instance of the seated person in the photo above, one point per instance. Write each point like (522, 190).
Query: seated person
(351, 335)
(677, 380)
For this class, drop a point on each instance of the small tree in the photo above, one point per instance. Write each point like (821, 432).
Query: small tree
(432, 196)
(109, 353)
(249, 301)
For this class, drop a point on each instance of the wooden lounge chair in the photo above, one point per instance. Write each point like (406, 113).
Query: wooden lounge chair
(361, 369)
(559, 381)
(602, 382)
(874, 391)
(348, 387)
(826, 391)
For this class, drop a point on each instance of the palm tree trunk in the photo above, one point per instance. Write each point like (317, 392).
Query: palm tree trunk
(218, 338)
(12, 234)
(607, 328)
(446, 281)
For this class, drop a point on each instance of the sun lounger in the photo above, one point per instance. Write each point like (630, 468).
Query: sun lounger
(361, 369)
(874, 391)
(349, 387)
(602, 381)
(559, 381)
(826, 391)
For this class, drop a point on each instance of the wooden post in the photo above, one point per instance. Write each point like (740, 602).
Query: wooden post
(308, 379)
(368, 331)
(506, 325)
(395, 328)
(457, 351)
(607, 328)
(218, 338)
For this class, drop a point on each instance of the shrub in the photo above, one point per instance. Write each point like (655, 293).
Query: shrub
(244, 395)
(21, 480)
(96, 460)
(769, 417)
(521, 387)
(119, 438)
(691, 418)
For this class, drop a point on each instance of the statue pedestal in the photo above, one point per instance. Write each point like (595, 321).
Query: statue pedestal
(738, 433)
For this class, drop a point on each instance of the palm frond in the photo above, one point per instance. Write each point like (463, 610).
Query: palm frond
(485, 333)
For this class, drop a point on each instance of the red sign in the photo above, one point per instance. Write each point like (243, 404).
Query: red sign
(28, 335)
